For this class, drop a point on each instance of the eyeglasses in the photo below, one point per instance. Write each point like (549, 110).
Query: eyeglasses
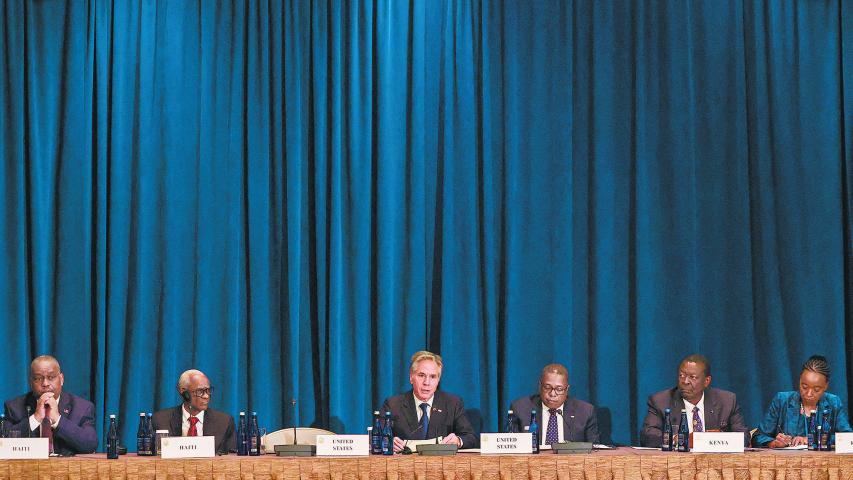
(202, 392)
(41, 379)
(558, 390)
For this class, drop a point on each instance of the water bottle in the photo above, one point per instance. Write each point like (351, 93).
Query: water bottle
(388, 435)
(511, 425)
(683, 433)
(140, 435)
(242, 436)
(254, 436)
(827, 432)
(112, 439)
(148, 441)
(376, 434)
(4, 426)
(534, 430)
(666, 438)
(812, 434)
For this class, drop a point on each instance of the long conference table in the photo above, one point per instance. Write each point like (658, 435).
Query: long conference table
(618, 464)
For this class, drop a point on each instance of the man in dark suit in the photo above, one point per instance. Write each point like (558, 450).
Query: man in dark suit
(563, 418)
(194, 417)
(708, 409)
(424, 413)
(47, 411)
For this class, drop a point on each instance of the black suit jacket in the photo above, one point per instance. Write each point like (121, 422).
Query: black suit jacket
(582, 428)
(76, 430)
(218, 424)
(722, 413)
(447, 416)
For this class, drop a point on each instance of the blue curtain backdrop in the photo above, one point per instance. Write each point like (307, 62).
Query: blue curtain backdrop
(294, 196)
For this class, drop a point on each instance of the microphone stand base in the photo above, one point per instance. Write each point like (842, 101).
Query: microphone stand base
(571, 447)
(295, 450)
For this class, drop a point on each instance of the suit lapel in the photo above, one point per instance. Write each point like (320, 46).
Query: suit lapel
(410, 415)
(436, 417)
(176, 421)
(210, 423)
(65, 405)
(712, 411)
(569, 425)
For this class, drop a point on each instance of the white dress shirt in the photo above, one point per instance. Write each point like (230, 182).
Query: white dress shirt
(689, 407)
(185, 423)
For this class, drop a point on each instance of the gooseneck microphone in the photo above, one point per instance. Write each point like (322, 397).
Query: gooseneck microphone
(571, 424)
(293, 404)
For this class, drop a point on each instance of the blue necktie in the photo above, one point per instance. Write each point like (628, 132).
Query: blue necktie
(424, 423)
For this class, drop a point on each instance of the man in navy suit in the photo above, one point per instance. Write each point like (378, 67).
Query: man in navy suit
(708, 409)
(424, 413)
(48, 411)
(194, 417)
(562, 418)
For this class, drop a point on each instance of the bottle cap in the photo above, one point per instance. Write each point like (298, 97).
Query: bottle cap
(242, 413)
(254, 414)
(667, 410)
(112, 417)
(509, 412)
(141, 414)
(527, 428)
(376, 412)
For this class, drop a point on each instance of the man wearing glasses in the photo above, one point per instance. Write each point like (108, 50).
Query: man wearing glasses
(67, 420)
(193, 417)
(561, 418)
(708, 409)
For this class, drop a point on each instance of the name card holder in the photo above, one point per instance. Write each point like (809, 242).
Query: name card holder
(504, 443)
(844, 442)
(717, 442)
(343, 445)
(187, 447)
(570, 448)
(24, 448)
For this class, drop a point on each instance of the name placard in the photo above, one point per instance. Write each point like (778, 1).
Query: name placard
(188, 447)
(844, 442)
(343, 445)
(718, 442)
(502, 443)
(24, 448)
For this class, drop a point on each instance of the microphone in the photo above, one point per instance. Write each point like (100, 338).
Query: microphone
(571, 423)
(293, 404)
(29, 412)
(406, 450)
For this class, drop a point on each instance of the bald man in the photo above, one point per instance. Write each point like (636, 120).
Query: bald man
(562, 417)
(193, 417)
(71, 419)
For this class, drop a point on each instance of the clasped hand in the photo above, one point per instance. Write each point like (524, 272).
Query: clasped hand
(48, 400)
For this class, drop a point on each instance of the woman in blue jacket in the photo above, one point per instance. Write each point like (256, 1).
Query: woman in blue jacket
(787, 419)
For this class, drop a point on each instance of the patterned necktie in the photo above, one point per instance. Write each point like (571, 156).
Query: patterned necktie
(423, 425)
(552, 434)
(697, 422)
(193, 432)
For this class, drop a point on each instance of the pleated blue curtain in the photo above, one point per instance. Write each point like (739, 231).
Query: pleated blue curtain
(294, 196)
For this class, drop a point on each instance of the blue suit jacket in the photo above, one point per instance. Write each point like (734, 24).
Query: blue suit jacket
(582, 428)
(76, 430)
(784, 412)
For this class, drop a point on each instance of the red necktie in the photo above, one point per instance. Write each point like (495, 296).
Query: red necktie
(192, 432)
(46, 431)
